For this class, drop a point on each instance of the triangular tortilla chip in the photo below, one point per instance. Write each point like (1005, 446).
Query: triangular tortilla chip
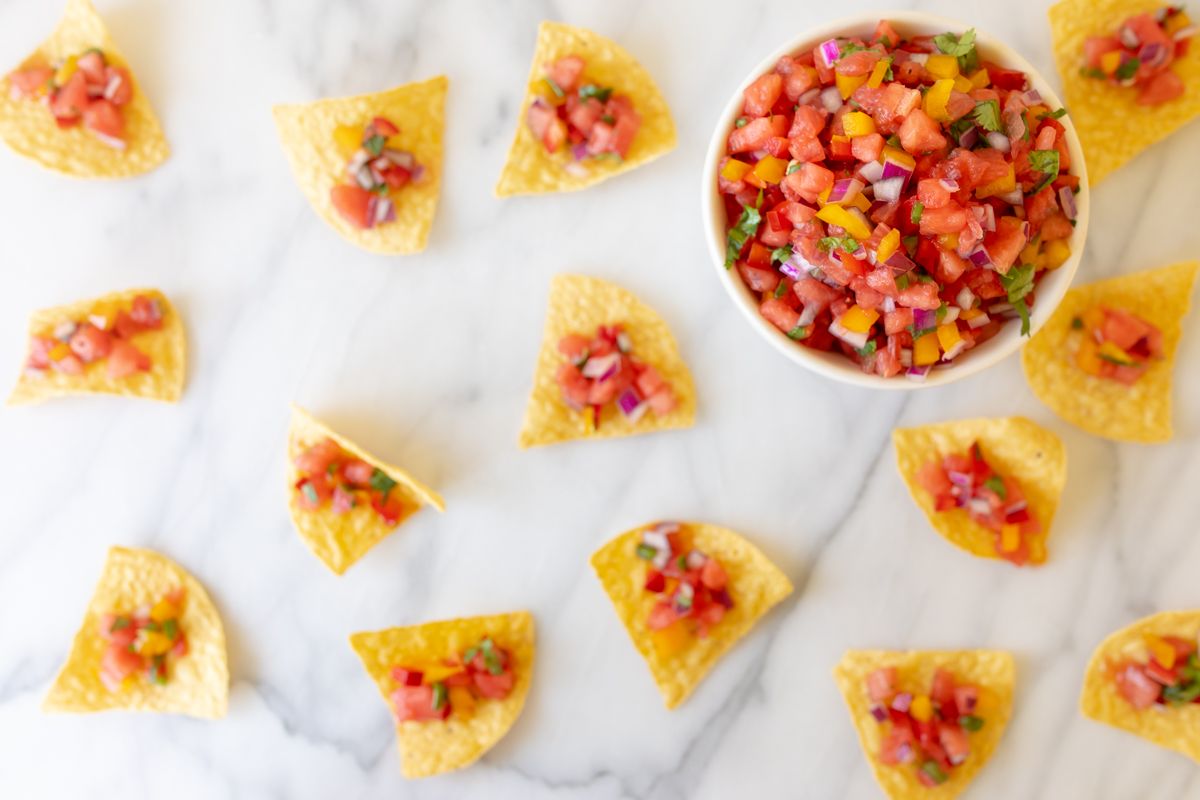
(1173, 728)
(531, 170)
(199, 681)
(417, 109)
(579, 304)
(434, 747)
(1112, 127)
(1137, 413)
(166, 347)
(991, 670)
(28, 127)
(1014, 446)
(755, 585)
(340, 540)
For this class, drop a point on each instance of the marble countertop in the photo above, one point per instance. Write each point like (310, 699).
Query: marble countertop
(428, 359)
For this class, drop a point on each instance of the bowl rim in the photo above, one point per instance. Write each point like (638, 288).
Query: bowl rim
(1051, 289)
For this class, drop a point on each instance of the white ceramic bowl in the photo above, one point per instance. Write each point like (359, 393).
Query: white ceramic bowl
(1051, 287)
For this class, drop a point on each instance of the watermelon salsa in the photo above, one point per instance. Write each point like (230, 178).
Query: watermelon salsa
(335, 478)
(432, 691)
(1113, 343)
(593, 121)
(376, 166)
(1170, 676)
(929, 733)
(140, 642)
(1140, 54)
(82, 88)
(995, 501)
(689, 587)
(73, 345)
(602, 369)
(895, 200)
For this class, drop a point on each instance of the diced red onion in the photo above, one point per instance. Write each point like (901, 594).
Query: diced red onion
(949, 184)
(579, 151)
(1014, 198)
(831, 99)
(918, 58)
(683, 597)
(696, 559)
(985, 214)
(900, 263)
(892, 169)
(790, 269)
(902, 701)
(978, 321)
(357, 161)
(1152, 54)
(114, 83)
(364, 178)
(385, 210)
(1185, 33)
(808, 97)
(856, 340)
(918, 374)
(888, 305)
(98, 321)
(401, 158)
(998, 141)
(1014, 126)
(871, 172)
(958, 758)
(879, 713)
(960, 479)
(65, 330)
(1129, 37)
(904, 753)
(1066, 198)
(624, 343)
(1031, 97)
(830, 52)
(1020, 505)
(417, 172)
(602, 368)
(657, 538)
(631, 405)
(977, 505)
(965, 298)
(845, 190)
(924, 318)
(889, 189)
(809, 314)
(980, 257)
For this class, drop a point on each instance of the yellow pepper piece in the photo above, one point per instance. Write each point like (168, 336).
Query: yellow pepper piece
(65, 71)
(1110, 61)
(1176, 23)
(462, 702)
(164, 610)
(1029, 253)
(846, 84)
(861, 202)
(735, 170)
(1037, 553)
(770, 169)
(898, 156)
(948, 336)
(854, 225)
(670, 640)
(858, 320)
(543, 89)
(936, 99)
(1093, 318)
(999, 186)
(981, 79)
(888, 245)
(1056, 253)
(948, 241)
(856, 123)
(1110, 352)
(942, 66)
(1161, 650)
(963, 84)
(921, 708)
(1086, 357)
(1010, 538)
(59, 351)
(969, 313)
(432, 673)
(348, 139)
(879, 73)
(823, 197)
(152, 643)
(925, 351)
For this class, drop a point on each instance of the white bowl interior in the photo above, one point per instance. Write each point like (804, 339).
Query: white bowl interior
(1051, 287)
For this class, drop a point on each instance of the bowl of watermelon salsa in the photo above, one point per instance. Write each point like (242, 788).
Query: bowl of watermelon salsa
(895, 204)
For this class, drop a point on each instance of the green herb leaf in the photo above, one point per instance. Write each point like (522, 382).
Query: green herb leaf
(120, 624)
(987, 115)
(847, 244)
(381, 481)
(310, 493)
(867, 350)
(740, 233)
(439, 696)
(1058, 114)
(794, 167)
(1045, 161)
(646, 552)
(953, 45)
(491, 659)
(935, 773)
(894, 141)
(781, 254)
(781, 289)
(601, 93)
(902, 281)
(609, 119)
(1092, 72)
(960, 127)
(469, 656)
(1019, 283)
(554, 87)
(1076, 323)
(970, 722)
(374, 144)
(918, 209)
(1128, 69)
(740, 122)
(996, 484)
(799, 332)
(910, 243)
(170, 629)
(848, 47)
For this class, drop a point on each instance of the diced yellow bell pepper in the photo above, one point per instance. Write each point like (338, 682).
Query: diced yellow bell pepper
(969, 313)
(823, 197)
(963, 84)
(921, 708)
(888, 245)
(940, 65)
(854, 225)
(164, 610)
(1176, 22)
(936, 99)
(437, 671)
(1161, 650)
(544, 90)
(152, 643)
(1029, 253)
(1033, 112)
(897, 156)
(670, 640)
(846, 84)
(879, 73)
(856, 123)
(1056, 253)
(59, 351)
(857, 319)
(1037, 553)
(1093, 318)
(770, 169)
(1010, 538)
(980, 79)
(462, 702)
(948, 241)
(1087, 358)
(348, 139)
(66, 70)
(1109, 62)
(735, 170)
(925, 351)
(948, 336)
(861, 202)
(1110, 352)
(999, 186)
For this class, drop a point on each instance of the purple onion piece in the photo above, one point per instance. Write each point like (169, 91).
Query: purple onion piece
(1066, 199)
(879, 713)
(969, 138)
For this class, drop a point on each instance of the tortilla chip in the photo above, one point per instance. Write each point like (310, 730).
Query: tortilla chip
(198, 684)
(755, 584)
(1173, 728)
(1014, 446)
(1112, 127)
(166, 347)
(28, 127)
(531, 170)
(433, 747)
(417, 109)
(1102, 407)
(991, 670)
(340, 540)
(579, 304)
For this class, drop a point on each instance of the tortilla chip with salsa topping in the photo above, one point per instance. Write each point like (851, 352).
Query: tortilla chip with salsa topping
(608, 367)
(371, 164)
(989, 486)
(172, 658)
(1145, 679)
(590, 112)
(128, 343)
(73, 105)
(455, 688)
(927, 720)
(1115, 119)
(1104, 360)
(686, 592)
(344, 501)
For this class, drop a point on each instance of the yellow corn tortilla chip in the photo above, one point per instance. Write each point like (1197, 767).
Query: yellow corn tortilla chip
(1015, 447)
(198, 682)
(1102, 407)
(340, 540)
(166, 347)
(755, 585)
(579, 304)
(531, 170)
(1112, 127)
(433, 747)
(1173, 728)
(991, 670)
(28, 127)
(417, 109)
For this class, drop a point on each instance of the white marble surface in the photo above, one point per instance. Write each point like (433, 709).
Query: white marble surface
(429, 358)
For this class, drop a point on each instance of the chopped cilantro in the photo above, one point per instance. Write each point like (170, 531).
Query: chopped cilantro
(1045, 161)
(1077, 323)
(170, 629)
(554, 87)
(918, 209)
(987, 114)
(740, 122)
(646, 552)
(846, 48)
(1128, 69)
(310, 493)
(961, 47)
(739, 234)
(934, 772)
(374, 144)
(609, 119)
(941, 312)
(793, 167)
(381, 481)
(781, 289)
(439, 696)
(868, 350)
(886, 41)
(996, 484)
(799, 332)
(970, 722)
(1059, 114)
(902, 281)
(1019, 283)
(917, 333)
(847, 244)
(910, 243)
(120, 623)
(894, 141)
(960, 127)
(601, 93)
(781, 254)
(1092, 72)
(491, 659)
